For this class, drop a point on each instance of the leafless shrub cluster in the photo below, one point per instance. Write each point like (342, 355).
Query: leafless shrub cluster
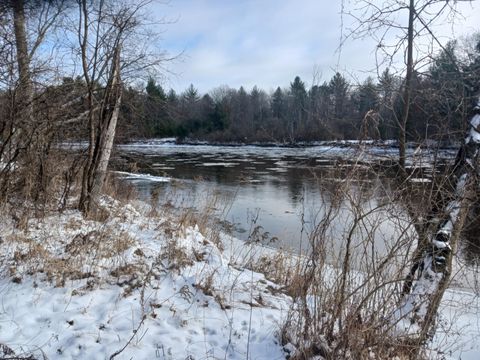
(348, 287)
(63, 67)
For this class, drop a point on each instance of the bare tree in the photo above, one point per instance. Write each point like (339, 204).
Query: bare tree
(381, 22)
(433, 258)
(103, 30)
(24, 27)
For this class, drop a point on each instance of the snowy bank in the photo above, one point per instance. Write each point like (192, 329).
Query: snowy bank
(136, 285)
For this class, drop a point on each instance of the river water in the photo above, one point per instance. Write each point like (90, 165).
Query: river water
(286, 191)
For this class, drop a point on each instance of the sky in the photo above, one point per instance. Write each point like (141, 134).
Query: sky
(269, 42)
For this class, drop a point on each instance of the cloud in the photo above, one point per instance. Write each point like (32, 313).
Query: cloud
(264, 42)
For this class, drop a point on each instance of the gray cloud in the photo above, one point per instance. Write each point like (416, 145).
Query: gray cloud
(266, 42)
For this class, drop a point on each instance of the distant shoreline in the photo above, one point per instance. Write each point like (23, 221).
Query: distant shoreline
(300, 144)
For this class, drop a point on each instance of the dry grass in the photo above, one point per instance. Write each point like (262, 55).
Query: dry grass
(176, 256)
(58, 248)
(121, 191)
(346, 288)
(342, 293)
(279, 267)
(207, 212)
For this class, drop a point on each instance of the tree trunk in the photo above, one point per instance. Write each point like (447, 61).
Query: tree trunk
(95, 170)
(108, 132)
(407, 94)
(25, 87)
(420, 305)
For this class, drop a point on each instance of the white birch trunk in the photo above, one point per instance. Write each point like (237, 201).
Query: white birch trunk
(108, 134)
(96, 170)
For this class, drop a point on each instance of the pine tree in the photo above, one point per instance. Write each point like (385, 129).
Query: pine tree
(298, 108)
(154, 90)
(278, 103)
(338, 88)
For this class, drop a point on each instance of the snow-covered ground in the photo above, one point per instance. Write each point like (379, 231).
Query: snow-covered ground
(144, 287)
(458, 331)
(151, 289)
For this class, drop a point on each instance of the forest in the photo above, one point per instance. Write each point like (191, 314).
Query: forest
(104, 254)
(337, 109)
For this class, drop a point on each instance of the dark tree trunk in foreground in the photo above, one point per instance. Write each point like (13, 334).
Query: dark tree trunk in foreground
(407, 92)
(25, 88)
(421, 299)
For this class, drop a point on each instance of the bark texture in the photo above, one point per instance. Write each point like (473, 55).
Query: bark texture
(25, 87)
(416, 314)
(96, 168)
(407, 92)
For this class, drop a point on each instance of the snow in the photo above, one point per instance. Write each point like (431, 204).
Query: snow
(415, 304)
(447, 228)
(475, 122)
(158, 290)
(277, 169)
(225, 164)
(7, 166)
(440, 244)
(141, 177)
(420, 180)
(195, 305)
(179, 322)
(474, 134)
(458, 326)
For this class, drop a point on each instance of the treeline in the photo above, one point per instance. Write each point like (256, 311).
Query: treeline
(335, 109)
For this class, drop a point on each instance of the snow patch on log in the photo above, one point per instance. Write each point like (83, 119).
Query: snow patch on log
(414, 315)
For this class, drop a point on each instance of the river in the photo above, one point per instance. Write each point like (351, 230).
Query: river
(286, 191)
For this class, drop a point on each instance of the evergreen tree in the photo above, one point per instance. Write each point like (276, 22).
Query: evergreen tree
(191, 95)
(388, 91)
(298, 107)
(218, 118)
(367, 97)
(258, 105)
(472, 71)
(241, 117)
(172, 97)
(154, 90)
(278, 103)
(298, 91)
(156, 115)
(339, 88)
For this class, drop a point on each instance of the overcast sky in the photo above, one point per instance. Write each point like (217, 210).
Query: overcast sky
(268, 42)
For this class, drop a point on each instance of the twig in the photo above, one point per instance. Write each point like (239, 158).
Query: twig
(118, 352)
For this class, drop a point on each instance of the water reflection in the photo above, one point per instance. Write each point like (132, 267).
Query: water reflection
(287, 191)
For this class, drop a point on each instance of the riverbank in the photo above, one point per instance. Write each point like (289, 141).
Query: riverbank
(136, 284)
(431, 144)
